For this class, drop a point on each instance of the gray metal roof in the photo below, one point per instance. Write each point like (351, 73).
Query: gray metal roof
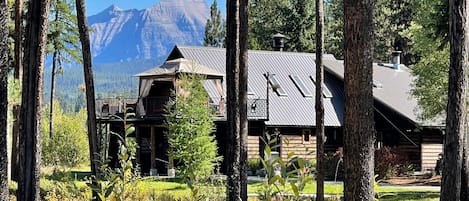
(394, 92)
(292, 110)
(181, 65)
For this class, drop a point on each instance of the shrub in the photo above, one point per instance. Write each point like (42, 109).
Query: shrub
(254, 164)
(68, 146)
(391, 162)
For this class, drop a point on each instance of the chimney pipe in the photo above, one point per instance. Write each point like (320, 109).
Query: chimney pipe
(396, 59)
(278, 42)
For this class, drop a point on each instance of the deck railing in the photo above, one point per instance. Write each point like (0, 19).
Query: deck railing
(257, 109)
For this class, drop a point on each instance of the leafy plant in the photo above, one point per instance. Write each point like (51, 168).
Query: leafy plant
(120, 183)
(278, 178)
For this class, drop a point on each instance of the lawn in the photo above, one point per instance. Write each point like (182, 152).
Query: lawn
(178, 189)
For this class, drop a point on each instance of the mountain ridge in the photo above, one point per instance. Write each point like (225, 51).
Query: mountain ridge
(149, 34)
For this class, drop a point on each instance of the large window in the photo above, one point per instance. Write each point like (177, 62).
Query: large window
(276, 85)
(326, 92)
(301, 86)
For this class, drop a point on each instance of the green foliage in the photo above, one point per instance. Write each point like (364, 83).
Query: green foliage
(120, 183)
(390, 19)
(293, 18)
(190, 126)
(278, 177)
(215, 29)
(69, 145)
(63, 35)
(428, 35)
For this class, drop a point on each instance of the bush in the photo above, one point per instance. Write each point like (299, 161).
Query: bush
(68, 146)
(391, 162)
(254, 164)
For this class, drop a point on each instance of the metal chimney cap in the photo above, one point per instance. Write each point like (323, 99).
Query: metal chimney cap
(279, 35)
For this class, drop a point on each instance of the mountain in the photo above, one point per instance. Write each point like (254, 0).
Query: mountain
(128, 35)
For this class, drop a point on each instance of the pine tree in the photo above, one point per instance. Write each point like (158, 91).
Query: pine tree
(63, 45)
(30, 133)
(4, 65)
(215, 30)
(359, 133)
(319, 103)
(454, 184)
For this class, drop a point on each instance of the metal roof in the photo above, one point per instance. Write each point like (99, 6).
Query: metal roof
(291, 110)
(394, 89)
(181, 65)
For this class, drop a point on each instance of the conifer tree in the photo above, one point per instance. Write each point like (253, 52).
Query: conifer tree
(4, 65)
(215, 30)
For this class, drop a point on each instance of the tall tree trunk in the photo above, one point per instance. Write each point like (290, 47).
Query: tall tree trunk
(233, 100)
(457, 101)
(359, 135)
(89, 85)
(30, 134)
(319, 100)
(55, 61)
(4, 64)
(52, 92)
(243, 96)
(18, 76)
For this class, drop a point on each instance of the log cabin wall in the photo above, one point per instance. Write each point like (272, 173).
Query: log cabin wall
(301, 142)
(432, 145)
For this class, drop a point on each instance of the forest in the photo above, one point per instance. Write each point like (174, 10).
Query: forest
(48, 123)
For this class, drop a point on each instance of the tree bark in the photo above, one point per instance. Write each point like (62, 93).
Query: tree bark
(319, 105)
(243, 95)
(233, 100)
(4, 64)
(359, 135)
(30, 121)
(89, 85)
(18, 74)
(457, 102)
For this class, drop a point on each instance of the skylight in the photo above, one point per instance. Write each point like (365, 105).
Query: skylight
(250, 91)
(301, 86)
(377, 84)
(325, 90)
(276, 85)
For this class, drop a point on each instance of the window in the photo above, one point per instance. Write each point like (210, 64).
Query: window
(325, 90)
(306, 135)
(276, 85)
(301, 86)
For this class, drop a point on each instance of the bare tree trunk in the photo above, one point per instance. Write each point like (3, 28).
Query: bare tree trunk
(30, 134)
(243, 96)
(89, 85)
(457, 101)
(233, 100)
(359, 135)
(319, 100)
(4, 64)
(18, 76)
(55, 60)
(52, 92)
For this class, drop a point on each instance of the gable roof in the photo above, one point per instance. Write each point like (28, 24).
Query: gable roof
(291, 110)
(297, 110)
(394, 90)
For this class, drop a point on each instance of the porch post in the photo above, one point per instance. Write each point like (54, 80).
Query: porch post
(153, 148)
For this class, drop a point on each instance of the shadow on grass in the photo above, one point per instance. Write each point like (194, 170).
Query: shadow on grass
(409, 196)
(69, 176)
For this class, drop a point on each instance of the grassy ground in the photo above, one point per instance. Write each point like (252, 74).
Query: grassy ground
(179, 189)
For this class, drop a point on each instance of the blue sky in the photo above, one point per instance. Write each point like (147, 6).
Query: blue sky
(96, 6)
